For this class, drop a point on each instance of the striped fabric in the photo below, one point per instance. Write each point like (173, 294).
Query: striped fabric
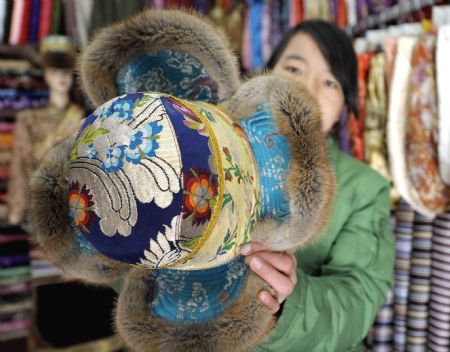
(439, 307)
(382, 332)
(403, 240)
(419, 284)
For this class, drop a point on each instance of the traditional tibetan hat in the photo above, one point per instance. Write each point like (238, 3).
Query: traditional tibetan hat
(178, 166)
(57, 51)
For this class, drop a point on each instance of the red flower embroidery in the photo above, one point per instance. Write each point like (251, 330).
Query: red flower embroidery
(200, 191)
(80, 203)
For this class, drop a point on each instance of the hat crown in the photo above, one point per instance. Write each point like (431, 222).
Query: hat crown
(156, 181)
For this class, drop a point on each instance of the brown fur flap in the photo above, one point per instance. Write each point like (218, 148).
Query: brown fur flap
(310, 183)
(240, 328)
(49, 213)
(153, 31)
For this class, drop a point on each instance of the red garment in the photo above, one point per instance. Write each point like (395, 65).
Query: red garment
(26, 19)
(341, 18)
(45, 19)
(356, 125)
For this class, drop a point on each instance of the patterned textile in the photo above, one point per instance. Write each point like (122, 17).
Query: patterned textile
(443, 86)
(355, 125)
(271, 151)
(396, 126)
(178, 186)
(422, 130)
(382, 331)
(198, 295)
(403, 240)
(175, 73)
(419, 284)
(439, 307)
(375, 119)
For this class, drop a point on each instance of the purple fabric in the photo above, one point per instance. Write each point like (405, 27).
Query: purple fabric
(14, 260)
(22, 103)
(34, 21)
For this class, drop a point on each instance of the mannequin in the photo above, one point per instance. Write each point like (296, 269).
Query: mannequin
(37, 129)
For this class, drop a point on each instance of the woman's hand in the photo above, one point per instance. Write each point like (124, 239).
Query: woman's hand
(278, 269)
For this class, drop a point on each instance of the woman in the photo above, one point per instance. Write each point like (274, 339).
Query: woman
(331, 291)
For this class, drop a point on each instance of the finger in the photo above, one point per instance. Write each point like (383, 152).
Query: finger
(283, 262)
(269, 301)
(253, 247)
(278, 281)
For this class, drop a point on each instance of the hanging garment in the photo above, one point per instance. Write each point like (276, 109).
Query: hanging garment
(396, 126)
(439, 307)
(33, 29)
(314, 9)
(25, 21)
(390, 48)
(404, 215)
(351, 12)
(419, 284)
(375, 117)
(421, 136)
(69, 18)
(443, 87)
(356, 125)
(83, 13)
(16, 21)
(341, 14)
(3, 12)
(45, 19)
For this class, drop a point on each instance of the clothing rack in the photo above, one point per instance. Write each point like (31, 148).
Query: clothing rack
(397, 11)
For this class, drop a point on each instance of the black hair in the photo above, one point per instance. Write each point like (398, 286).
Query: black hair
(337, 49)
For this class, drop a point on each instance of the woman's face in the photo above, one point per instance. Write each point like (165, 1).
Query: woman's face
(59, 80)
(303, 61)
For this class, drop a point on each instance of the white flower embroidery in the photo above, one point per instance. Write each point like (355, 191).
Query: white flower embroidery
(118, 187)
(165, 249)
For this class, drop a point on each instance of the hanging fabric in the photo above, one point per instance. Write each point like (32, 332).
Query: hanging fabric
(396, 128)
(375, 150)
(443, 87)
(439, 315)
(419, 284)
(404, 215)
(421, 136)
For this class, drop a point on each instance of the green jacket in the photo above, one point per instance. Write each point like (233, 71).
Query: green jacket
(343, 278)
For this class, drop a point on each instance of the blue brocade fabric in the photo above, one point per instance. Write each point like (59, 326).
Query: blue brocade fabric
(198, 295)
(271, 151)
(175, 73)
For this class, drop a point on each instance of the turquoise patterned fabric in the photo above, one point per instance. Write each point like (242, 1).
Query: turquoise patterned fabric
(272, 155)
(175, 73)
(198, 295)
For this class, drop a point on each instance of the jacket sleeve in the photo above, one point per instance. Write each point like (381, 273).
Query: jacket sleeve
(334, 311)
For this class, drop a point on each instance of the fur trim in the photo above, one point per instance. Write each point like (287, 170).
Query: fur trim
(311, 182)
(49, 214)
(240, 328)
(149, 32)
